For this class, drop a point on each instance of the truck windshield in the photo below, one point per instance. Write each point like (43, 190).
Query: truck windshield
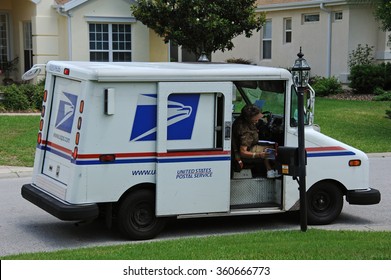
(267, 95)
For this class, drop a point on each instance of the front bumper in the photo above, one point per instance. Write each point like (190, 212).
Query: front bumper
(57, 208)
(363, 197)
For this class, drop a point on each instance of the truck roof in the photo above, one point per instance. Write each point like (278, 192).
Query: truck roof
(163, 71)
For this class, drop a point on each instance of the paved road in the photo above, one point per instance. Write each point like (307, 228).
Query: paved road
(26, 228)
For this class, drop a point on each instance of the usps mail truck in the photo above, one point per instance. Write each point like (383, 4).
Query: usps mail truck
(137, 143)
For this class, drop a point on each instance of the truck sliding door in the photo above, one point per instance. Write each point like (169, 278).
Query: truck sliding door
(193, 147)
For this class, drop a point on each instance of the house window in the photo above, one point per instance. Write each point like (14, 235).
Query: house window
(287, 30)
(338, 16)
(110, 42)
(27, 45)
(311, 18)
(3, 39)
(267, 40)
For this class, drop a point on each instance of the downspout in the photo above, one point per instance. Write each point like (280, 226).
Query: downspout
(329, 31)
(59, 10)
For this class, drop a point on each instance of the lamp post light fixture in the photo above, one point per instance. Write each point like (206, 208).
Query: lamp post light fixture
(300, 76)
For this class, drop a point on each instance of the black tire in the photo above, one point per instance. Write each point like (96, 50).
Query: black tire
(324, 203)
(136, 216)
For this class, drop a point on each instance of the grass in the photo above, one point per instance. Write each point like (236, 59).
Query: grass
(263, 245)
(18, 140)
(361, 124)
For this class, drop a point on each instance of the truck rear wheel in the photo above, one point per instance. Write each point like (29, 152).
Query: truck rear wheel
(324, 203)
(137, 219)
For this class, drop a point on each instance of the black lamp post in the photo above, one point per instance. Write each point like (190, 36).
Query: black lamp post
(300, 76)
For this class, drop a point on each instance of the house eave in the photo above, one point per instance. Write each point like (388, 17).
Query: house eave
(299, 5)
(70, 5)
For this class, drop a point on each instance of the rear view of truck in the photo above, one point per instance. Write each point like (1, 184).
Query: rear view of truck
(57, 148)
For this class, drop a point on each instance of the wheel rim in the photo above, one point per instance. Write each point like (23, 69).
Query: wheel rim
(143, 216)
(321, 202)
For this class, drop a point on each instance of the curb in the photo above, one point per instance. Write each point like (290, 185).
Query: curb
(15, 172)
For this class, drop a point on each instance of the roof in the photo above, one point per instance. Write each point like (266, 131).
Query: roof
(165, 71)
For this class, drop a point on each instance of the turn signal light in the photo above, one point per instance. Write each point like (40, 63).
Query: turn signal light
(107, 158)
(354, 162)
(75, 152)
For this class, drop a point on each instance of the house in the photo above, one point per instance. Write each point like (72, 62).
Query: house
(37, 31)
(327, 30)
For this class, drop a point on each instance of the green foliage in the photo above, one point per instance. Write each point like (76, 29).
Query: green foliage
(23, 97)
(383, 14)
(382, 95)
(364, 79)
(361, 56)
(201, 26)
(326, 86)
(238, 61)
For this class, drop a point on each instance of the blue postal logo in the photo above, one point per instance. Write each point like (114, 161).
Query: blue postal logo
(66, 112)
(181, 113)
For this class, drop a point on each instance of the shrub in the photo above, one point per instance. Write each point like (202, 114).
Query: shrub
(326, 86)
(361, 56)
(238, 60)
(382, 95)
(366, 78)
(23, 97)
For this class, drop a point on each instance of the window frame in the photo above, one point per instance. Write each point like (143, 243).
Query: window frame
(27, 45)
(306, 18)
(338, 13)
(267, 40)
(287, 30)
(110, 21)
(4, 35)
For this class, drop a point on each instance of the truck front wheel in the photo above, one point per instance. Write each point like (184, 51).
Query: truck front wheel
(136, 216)
(324, 203)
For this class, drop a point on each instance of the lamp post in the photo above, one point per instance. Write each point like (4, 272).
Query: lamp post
(300, 76)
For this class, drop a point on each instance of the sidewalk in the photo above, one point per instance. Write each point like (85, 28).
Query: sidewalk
(19, 172)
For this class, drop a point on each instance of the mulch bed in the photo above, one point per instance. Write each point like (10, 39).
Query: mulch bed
(348, 95)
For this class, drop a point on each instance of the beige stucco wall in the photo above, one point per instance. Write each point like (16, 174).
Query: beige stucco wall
(158, 49)
(357, 27)
(105, 9)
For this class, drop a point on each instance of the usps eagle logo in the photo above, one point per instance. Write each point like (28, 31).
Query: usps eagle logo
(181, 112)
(66, 112)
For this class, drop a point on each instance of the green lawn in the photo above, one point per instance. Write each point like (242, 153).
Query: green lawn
(263, 245)
(18, 140)
(361, 124)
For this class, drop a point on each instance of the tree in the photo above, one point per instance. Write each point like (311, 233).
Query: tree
(383, 13)
(200, 26)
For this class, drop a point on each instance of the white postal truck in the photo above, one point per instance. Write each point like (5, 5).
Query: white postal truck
(138, 143)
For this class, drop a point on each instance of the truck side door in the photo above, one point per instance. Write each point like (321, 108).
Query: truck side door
(193, 147)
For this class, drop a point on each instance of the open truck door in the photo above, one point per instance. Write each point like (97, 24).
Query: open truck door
(193, 147)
